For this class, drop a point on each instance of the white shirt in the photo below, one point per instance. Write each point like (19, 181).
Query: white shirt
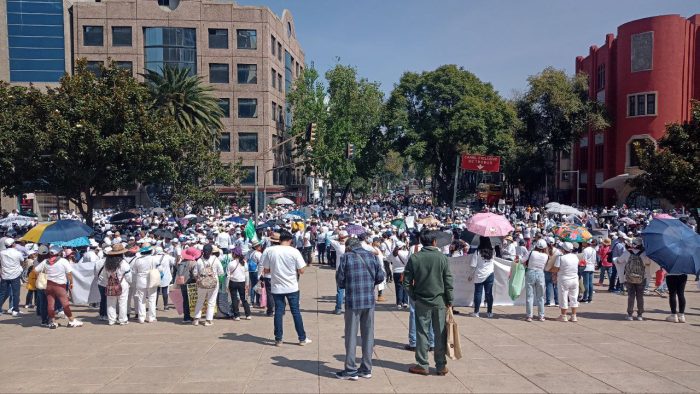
(140, 268)
(123, 273)
(223, 240)
(568, 266)
(283, 262)
(339, 251)
(509, 251)
(537, 260)
(89, 257)
(167, 262)
(237, 271)
(11, 263)
(482, 268)
(213, 261)
(589, 255)
(56, 272)
(400, 262)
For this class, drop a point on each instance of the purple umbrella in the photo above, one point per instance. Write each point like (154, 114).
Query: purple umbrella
(354, 229)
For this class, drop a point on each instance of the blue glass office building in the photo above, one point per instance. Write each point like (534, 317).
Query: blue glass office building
(36, 40)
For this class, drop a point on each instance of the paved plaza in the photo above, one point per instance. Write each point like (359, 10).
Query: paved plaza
(600, 353)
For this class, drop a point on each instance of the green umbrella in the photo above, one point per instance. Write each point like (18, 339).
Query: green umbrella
(399, 223)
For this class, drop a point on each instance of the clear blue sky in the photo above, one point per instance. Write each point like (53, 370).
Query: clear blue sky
(502, 42)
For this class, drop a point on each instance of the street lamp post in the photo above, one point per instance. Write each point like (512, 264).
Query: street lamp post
(578, 183)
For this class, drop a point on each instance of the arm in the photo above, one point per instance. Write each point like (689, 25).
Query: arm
(447, 282)
(408, 277)
(340, 272)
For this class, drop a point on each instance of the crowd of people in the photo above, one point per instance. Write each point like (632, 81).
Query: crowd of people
(231, 260)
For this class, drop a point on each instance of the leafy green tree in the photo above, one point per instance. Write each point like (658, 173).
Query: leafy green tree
(86, 138)
(346, 111)
(673, 171)
(187, 99)
(435, 116)
(554, 112)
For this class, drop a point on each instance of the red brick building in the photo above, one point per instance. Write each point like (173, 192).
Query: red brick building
(646, 77)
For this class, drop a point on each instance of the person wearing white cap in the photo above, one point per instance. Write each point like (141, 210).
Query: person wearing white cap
(566, 267)
(145, 292)
(534, 283)
(11, 270)
(58, 273)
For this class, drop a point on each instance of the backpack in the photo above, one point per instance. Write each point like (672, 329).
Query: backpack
(634, 269)
(206, 279)
(114, 285)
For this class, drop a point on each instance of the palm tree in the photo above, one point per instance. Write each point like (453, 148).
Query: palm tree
(187, 99)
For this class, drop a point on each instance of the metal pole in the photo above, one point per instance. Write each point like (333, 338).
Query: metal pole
(578, 187)
(255, 220)
(454, 193)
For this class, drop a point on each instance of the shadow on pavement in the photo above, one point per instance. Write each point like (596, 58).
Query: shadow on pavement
(313, 367)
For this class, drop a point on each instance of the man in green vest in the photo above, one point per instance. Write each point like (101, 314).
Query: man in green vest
(428, 280)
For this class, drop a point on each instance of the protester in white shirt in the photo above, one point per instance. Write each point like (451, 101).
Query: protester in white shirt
(165, 264)
(284, 263)
(398, 266)
(589, 255)
(11, 269)
(482, 273)
(58, 273)
(207, 266)
(534, 279)
(566, 267)
(238, 282)
(115, 266)
(145, 293)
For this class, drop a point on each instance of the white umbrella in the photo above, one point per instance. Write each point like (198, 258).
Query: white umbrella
(283, 201)
(552, 205)
(18, 220)
(616, 182)
(565, 210)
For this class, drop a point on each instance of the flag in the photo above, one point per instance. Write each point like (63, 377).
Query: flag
(250, 231)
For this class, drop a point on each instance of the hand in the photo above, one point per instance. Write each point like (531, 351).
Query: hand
(470, 279)
(71, 285)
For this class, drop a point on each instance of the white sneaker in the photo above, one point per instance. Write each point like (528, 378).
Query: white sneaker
(640, 318)
(236, 319)
(195, 322)
(563, 318)
(399, 307)
(75, 323)
(208, 323)
(474, 314)
(248, 318)
(103, 318)
(672, 319)
(305, 342)
(123, 323)
(629, 318)
(573, 318)
(61, 315)
(681, 318)
(15, 313)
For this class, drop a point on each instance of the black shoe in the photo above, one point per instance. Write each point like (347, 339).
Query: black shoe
(270, 314)
(455, 311)
(410, 348)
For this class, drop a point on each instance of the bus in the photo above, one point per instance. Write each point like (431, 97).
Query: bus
(489, 193)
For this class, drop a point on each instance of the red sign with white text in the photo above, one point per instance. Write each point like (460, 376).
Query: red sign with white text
(481, 163)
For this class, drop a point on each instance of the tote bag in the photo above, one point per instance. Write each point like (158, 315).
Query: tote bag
(454, 348)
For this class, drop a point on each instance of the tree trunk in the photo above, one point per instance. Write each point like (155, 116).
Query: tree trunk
(345, 193)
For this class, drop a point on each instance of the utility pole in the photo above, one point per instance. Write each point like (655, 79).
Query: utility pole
(454, 193)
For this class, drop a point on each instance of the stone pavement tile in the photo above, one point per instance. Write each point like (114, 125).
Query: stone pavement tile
(27, 376)
(466, 368)
(641, 382)
(686, 378)
(169, 359)
(572, 350)
(379, 383)
(601, 364)
(210, 387)
(306, 385)
(48, 387)
(218, 373)
(88, 376)
(404, 382)
(661, 363)
(145, 387)
(575, 382)
(521, 352)
(148, 375)
(542, 366)
(284, 368)
(132, 348)
(499, 383)
(230, 356)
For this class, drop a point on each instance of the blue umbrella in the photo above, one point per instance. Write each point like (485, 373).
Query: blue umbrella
(74, 243)
(237, 220)
(673, 245)
(58, 231)
(297, 213)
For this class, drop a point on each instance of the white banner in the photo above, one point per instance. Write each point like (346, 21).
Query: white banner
(464, 289)
(84, 284)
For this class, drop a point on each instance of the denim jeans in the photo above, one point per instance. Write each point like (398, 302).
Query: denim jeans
(550, 288)
(268, 295)
(254, 297)
(42, 306)
(103, 301)
(412, 326)
(339, 297)
(603, 272)
(588, 285)
(534, 291)
(401, 294)
(613, 278)
(484, 287)
(280, 306)
(10, 287)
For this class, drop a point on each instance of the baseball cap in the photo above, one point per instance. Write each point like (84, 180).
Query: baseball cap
(567, 246)
(43, 249)
(541, 244)
(9, 242)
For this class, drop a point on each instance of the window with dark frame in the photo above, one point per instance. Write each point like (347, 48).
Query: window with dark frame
(125, 65)
(279, 51)
(225, 142)
(273, 76)
(249, 178)
(641, 104)
(121, 36)
(279, 82)
(225, 105)
(247, 73)
(218, 73)
(94, 67)
(274, 112)
(247, 108)
(651, 104)
(273, 44)
(631, 106)
(218, 38)
(601, 77)
(93, 36)
(247, 39)
(247, 142)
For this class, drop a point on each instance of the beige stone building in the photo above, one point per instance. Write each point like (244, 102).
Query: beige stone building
(250, 56)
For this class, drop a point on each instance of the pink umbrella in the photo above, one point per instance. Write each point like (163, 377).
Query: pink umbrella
(663, 216)
(627, 220)
(489, 225)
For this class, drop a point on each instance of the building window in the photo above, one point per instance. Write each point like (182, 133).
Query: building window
(599, 156)
(639, 146)
(583, 158)
(225, 105)
(274, 111)
(94, 67)
(249, 177)
(280, 117)
(279, 82)
(273, 44)
(218, 73)
(170, 46)
(225, 142)
(247, 39)
(125, 65)
(642, 51)
(93, 36)
(273, 76)
(218, 38)
(247, 142)
(279, 51)
(247, 108)
(641, 104)
(121, 36)
(601, 77)
(248, 73)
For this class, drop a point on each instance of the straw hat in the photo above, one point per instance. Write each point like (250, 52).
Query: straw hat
(117, 250)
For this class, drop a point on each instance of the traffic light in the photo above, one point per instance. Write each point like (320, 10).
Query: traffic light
(311, 133)
(351, 151)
